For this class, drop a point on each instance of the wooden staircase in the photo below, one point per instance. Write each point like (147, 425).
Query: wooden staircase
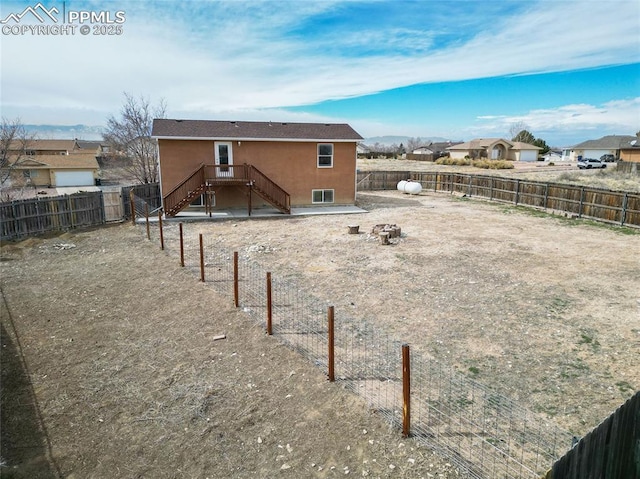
(207, 177)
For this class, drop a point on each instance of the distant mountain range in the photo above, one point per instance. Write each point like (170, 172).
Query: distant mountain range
(66, 132)
(390, 140)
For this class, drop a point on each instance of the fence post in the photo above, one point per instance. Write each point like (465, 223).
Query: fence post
(146, 216)
(517, 191)
(546, 195)
(201, 259)
(331, 341)
(161, 234)
(132, 205)
(581, 202)
(16, 223)
(406, 391)
(181, 247)
(623, 213)
(269, 305)
(236, 299)
(71, 212)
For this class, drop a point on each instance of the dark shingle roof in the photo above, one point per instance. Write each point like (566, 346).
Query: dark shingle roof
(606, 142)
(252, 130)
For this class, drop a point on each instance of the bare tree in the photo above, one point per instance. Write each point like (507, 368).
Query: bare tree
(413, 144)
(524, 136)
(14, 143)
(130, 135)
(516, 128)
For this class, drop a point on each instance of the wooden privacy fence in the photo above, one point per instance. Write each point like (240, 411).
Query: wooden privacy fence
(40, 215)
(22, 218)
(148, 193)
(617, 207)
(611, 451)
(113, 205)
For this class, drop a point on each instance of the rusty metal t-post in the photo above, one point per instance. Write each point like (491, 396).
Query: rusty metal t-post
(161, 233)
(181, 247)
(146, 216)
(331, 341)
(236, 294)
(406, 391)
(269, 305)
(132, 205)
(201, 259)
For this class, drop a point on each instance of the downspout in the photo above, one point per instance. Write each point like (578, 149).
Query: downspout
(160, 174)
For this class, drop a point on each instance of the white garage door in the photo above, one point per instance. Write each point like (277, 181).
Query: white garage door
(74, 178)
(528, 155)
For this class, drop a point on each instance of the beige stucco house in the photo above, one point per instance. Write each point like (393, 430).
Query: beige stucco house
(76, 169)
(607, 145)
(495, 149)
(51, 163)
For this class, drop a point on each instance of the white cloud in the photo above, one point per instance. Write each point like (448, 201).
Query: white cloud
(562, 124)
(623, 115)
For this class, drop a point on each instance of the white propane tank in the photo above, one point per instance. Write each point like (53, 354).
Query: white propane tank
(409, 187)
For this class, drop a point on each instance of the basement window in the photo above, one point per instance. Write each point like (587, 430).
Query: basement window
(199, 202)
(325, 155)
(322, 196)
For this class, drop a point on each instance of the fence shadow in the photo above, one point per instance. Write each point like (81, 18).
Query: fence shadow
(24, 446)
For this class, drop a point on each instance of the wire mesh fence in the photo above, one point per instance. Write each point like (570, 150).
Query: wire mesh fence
(485, 434)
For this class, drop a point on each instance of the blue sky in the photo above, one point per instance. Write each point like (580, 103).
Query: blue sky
(459, 69)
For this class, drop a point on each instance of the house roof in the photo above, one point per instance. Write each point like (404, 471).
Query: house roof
(70, 161)
(477, 144)
(483, 143)
(44, 145)
(89, 145)
(519, 145)
(609, 142)
(442, 145)
(633, 144)
(252, 130)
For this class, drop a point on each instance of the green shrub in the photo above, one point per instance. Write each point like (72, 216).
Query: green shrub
(493, 164)
(453, 161)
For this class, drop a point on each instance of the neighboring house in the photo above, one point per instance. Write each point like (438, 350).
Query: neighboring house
(242, 163)
(631, 151)
(422, 150)
(552, 155)
(495, 149)
(607, 145)
(100, 148)
(57, 170)
(362, 149)
(431, 152)
(43, 147)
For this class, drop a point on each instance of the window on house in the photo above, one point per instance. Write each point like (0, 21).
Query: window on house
(200, 201)
(322, 196)
(29, 173)
(325, 155)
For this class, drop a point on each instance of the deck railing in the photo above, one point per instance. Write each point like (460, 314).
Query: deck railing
(269, 190)
(216, 175)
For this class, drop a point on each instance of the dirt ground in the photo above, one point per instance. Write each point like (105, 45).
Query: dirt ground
(544, 309)
(110, 367)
